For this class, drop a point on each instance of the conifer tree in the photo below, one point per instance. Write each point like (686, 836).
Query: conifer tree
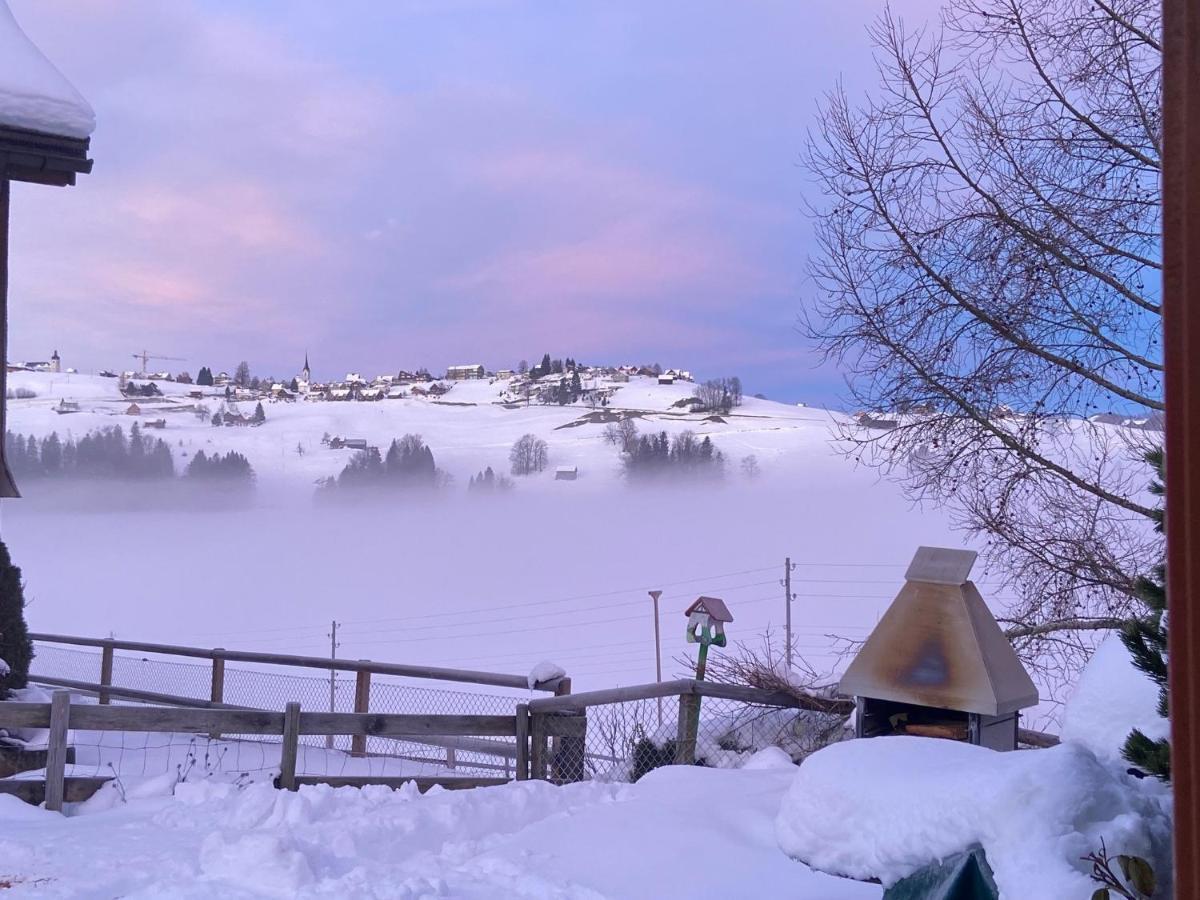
(260, 415)
(1146, 640)
(16, 650)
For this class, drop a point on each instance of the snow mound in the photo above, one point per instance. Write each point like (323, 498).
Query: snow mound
(33, 93)
(769, 758)
(545, 671)
(1111, 698)
(885, 807)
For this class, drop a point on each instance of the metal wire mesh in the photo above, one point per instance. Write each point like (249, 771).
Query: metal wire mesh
(624, 741)
(265, 689)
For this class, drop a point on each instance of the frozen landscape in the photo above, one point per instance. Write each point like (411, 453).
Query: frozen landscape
(557, 569)
(581, 631)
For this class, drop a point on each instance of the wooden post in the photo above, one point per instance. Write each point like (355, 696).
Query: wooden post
(522, 761)
(217, 694)
(538, 750)
(56, 750)
(685, 741)
(362, 704)
(106, 672)
(8, 487)
(451, 758)
(1181, 353)
(291, 747)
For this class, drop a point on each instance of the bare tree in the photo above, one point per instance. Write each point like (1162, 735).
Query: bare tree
(988, 265)
(528, 455)
(622, 433)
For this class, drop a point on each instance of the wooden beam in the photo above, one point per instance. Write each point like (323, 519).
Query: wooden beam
(56, 750)
(406, 725)
(8, 487)
(76, 789)
(106, 674)
(1181, 353)
(362, 704)
(469, 676)
(423, 783)
(522, 730)
(216, 691)
(291, 747)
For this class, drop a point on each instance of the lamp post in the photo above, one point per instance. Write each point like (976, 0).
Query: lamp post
(654, 595)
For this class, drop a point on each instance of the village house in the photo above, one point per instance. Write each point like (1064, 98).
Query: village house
(462, 373)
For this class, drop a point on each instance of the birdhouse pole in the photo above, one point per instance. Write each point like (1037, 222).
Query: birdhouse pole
(706, 626)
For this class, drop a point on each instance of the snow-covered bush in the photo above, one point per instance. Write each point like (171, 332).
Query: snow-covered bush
(16, 650)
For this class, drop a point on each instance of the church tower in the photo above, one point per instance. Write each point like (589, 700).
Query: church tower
(306, 372)
(55, 363)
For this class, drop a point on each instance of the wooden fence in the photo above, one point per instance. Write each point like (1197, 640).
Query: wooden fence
(60, 715)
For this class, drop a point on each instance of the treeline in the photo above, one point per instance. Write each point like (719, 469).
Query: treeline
(650, 456)
(231, 468)
(408, 464)
(103, 454)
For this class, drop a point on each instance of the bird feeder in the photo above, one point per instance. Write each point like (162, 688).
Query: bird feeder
(706, 627)
(44, 139)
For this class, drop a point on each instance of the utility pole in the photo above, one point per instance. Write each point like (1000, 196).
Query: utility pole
(654, 595)
(333, 649)
(788, 597)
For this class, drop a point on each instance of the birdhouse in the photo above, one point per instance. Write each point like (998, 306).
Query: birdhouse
(706, 620)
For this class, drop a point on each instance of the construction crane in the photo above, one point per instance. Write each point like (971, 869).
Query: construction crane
(145, 356)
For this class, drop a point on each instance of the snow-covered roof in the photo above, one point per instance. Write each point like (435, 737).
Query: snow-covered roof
(34, 95)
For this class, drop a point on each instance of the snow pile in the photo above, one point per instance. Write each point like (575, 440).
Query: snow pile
(1111, 698)
(4, 667)
(33, 93)
(525, 839)
(885, 807)
(545, 671)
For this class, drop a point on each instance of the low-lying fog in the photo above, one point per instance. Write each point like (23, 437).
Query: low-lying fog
(492, 582)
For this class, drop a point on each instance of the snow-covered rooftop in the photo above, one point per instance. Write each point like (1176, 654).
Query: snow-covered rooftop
(34, 95)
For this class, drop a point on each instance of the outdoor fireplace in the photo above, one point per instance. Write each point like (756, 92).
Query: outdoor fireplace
(937, 664)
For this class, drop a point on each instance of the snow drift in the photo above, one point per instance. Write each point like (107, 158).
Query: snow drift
(885, 807)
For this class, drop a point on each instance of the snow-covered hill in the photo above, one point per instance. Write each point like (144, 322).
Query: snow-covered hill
(468, 428)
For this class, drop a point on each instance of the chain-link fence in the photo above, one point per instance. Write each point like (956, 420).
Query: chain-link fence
(261, 688)
(623, 740)
(571, 739)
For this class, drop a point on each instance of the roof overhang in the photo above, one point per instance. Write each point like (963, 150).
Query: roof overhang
(40, 158)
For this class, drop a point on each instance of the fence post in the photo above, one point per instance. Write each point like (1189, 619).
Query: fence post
(685, 741)
(538, 749)
(106, 672)
(291, 747)
(451, 758)
(56, 750)
(217, 694)
(362, 704)
(522, 760)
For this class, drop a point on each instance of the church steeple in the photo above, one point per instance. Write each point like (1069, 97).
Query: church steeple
(306, 372)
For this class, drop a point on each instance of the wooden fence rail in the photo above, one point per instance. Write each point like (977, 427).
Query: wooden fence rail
(219, 656)
(59, 716)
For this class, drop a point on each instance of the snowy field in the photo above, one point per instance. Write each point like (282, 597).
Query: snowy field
(553, 569)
